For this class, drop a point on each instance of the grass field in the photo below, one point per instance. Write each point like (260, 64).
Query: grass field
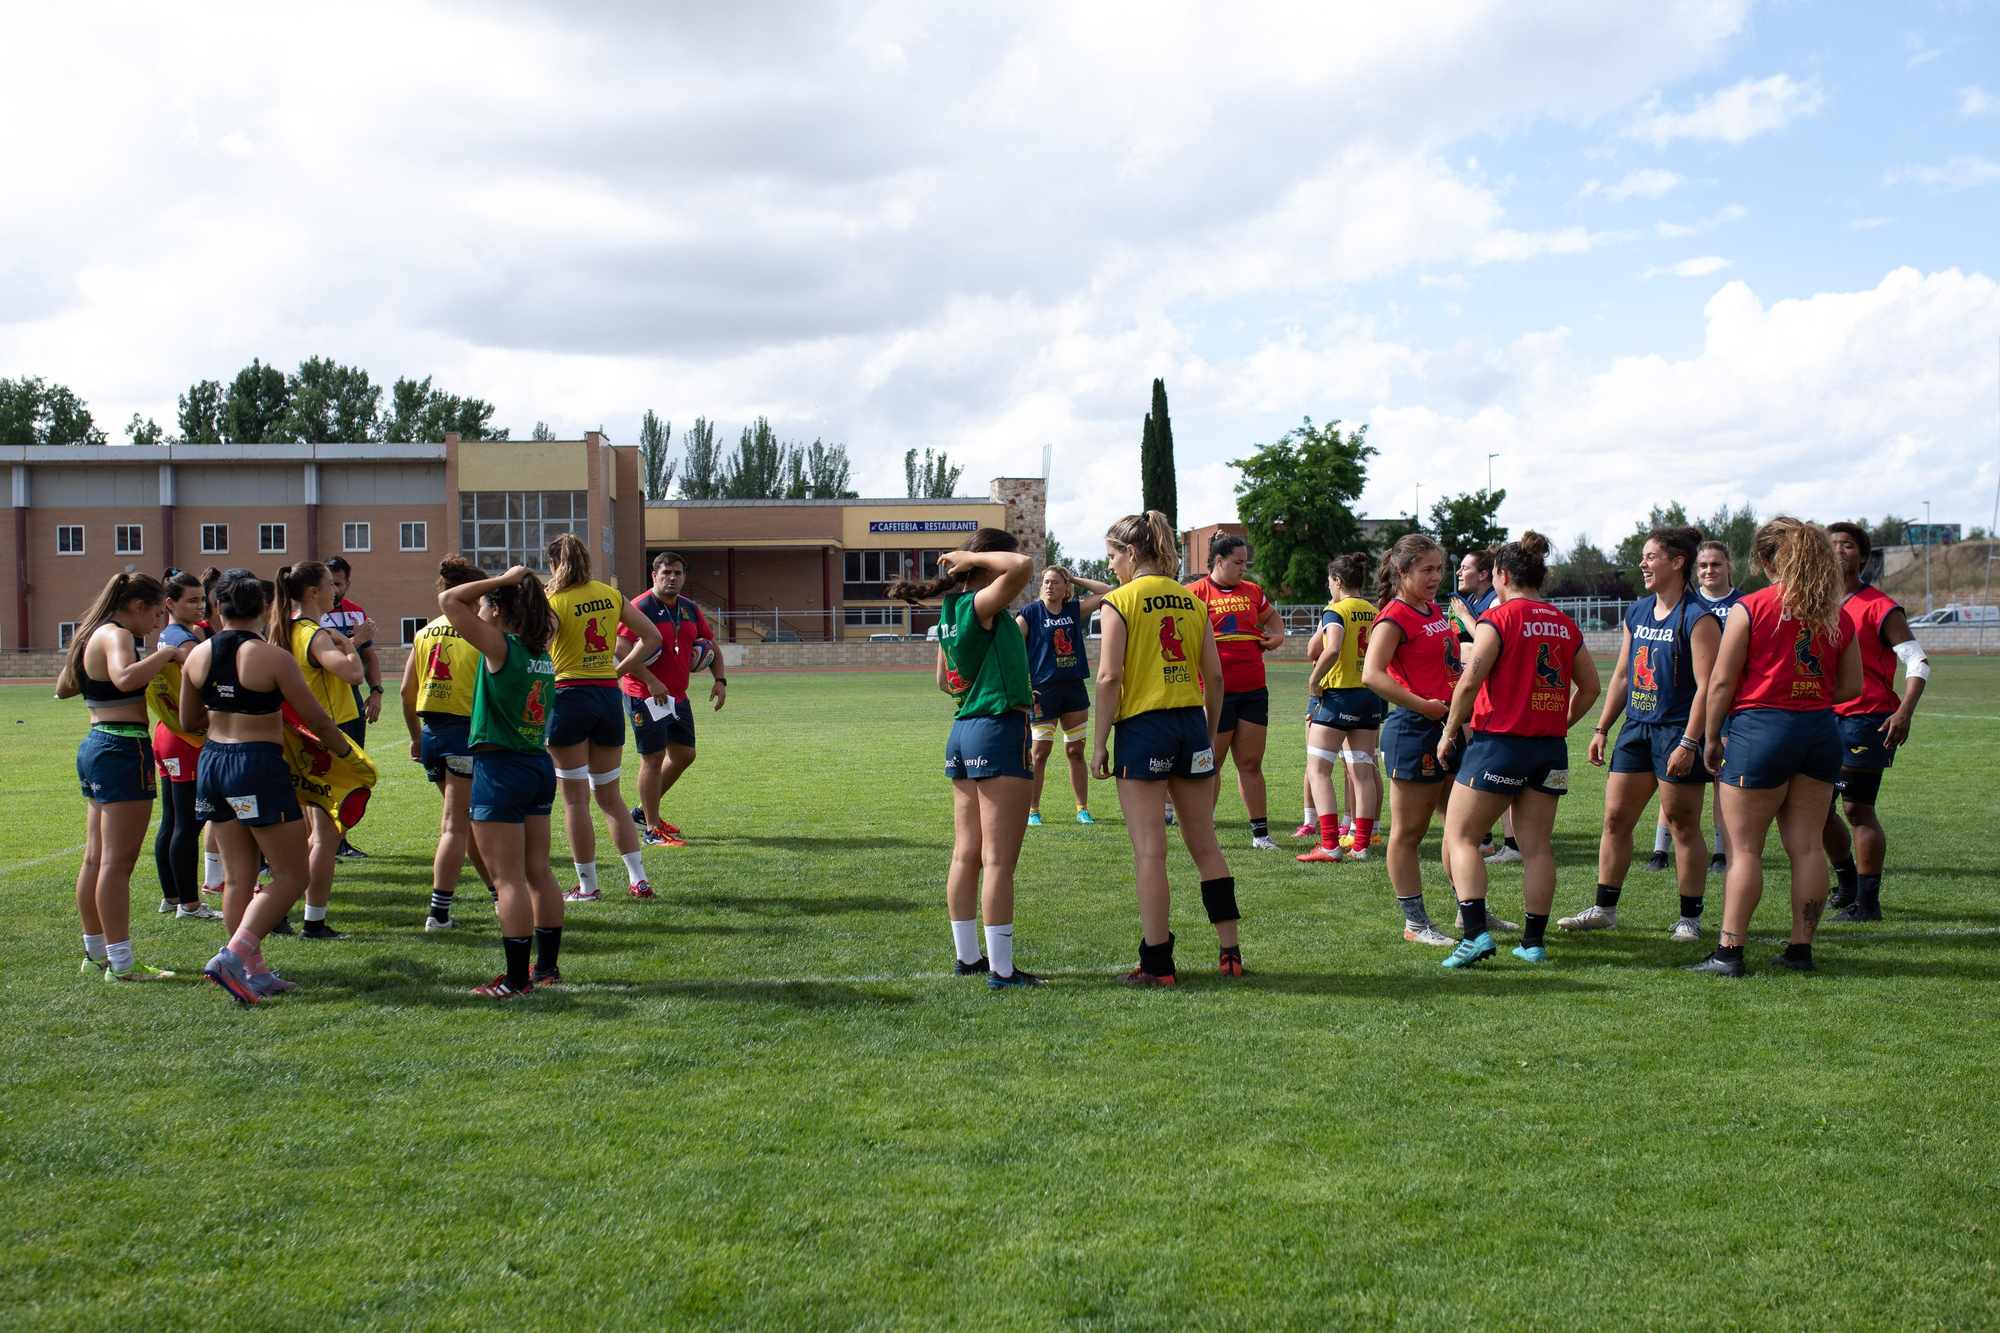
(765, 1102)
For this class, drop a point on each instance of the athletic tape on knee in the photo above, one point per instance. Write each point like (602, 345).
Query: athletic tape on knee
(574, 774)
(1358, 757)
(1331, 756)
(1219, 897)
(1076, 734)
(1044, 731)
(605, 779)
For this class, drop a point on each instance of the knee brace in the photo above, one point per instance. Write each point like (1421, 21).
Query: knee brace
(1076, 735)
(1331, 756)
(574, 774)
(1358, 757)
(605, 779)
(1044, 731)
(1219, 897)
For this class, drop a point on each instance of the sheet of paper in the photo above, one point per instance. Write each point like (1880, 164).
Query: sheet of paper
(660, 709)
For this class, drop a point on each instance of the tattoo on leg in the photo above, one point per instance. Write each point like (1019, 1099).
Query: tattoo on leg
(1730, 939)
(1812, 910)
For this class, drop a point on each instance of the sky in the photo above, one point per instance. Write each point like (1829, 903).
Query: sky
(1697, 250)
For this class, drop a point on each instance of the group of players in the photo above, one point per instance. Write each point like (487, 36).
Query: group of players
(516, 691)
(1777, 699)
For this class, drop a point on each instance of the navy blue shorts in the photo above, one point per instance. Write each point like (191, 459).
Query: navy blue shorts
(989, 747)
(248, 781)
(1861, 741)
(111, 768)
(1252, 706)
(447, 746)
(1165, 743)
(1053, 698)
(1645, 747)
(1354, 709)
(1410, 748)
(655, 734)
(512, 786)
(1768, 747)
(592, 714)
(1495, 761)
(356, 729)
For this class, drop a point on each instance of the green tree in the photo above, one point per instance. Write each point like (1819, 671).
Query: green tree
(935, 478)
(1889, 532)
(756, 471)
(1157, 486)
(1629, 550)
(701, 466)
(542, 431)
(655, 438)
(1294, 503)
(1736, 529)
(1463, 523)
(328, 403)
(827, 471)
(1586, 571)
(1080, 565)
(255, 407)
(33, 411)
(422, 414)
(201, 415)
(144, 430)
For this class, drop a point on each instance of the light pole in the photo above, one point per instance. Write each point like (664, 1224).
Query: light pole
(1489, 472)
(1419, 514)
(1927, 556)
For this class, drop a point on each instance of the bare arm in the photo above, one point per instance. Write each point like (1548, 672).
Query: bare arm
(1011, 572)
(292, 684)
(408, 695)
(1704, 641)
(1485, 655)
(194, 674)
(1329, 639)
(1614, 702)
(1723, 682)
(125, 668)
(336, 655)
(943, 671)
(1583, 686)
(1211, 677)
(648, 646)
(1896, 727)
(1110, 682)
(1847, 680)
(1383, 640)
(1272, 626)
(461, 607)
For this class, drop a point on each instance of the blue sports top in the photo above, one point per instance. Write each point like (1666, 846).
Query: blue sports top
(1055, 642)
(1481, 604)
(1662, 685)
(1719, 605)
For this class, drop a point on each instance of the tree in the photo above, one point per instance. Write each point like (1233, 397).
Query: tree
(756, 471)
(33, 411)
(201, 413)
(1674, 515)
(655, 438)
(1585, 571)
(1889, 532)
(1157, 487)
(1736, 529)
(1293, 501)
(256, 405)
(1463, 523)
(827, 472)
(933, 479)
(1081, 566)
(328, 403)
(144, 430)
(701, 468)
(420, 414)
(543, 432)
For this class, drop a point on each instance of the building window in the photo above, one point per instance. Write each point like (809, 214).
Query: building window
(411, 624)
(874, 566)
(270, 536)
(500, 529)
(355, 536)
(877, 616)
(65, 633)
(69, 539)
(215, 539)
(130, 538)
(416, 537)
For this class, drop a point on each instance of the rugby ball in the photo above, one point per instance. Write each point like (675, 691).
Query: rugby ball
(702, 655)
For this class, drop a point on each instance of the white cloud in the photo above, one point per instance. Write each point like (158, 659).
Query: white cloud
(1976, 101)
(1699, 267)
(1734, 114)
(1648, 183)
(1457, 282)
(1731, 213)
(1961, 172)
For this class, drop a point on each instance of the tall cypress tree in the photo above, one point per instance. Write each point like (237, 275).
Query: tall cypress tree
(1156, 458)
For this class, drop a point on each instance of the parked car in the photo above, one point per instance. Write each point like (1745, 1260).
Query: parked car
(1959, 615)
(885, 638)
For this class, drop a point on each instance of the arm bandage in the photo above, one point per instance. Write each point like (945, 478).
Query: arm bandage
(1916, 666)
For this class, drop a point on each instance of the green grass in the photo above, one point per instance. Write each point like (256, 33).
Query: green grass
(766, 1103)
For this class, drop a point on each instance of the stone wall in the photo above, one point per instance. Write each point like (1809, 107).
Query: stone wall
(1027, 501)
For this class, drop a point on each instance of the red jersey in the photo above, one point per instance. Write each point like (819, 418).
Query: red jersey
(1862, 616)
(1236, 612)
(1790, 665)
(1426, 661)
(681, 624)
(1527, 692)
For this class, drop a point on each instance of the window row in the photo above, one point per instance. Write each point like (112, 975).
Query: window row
(871, 615)
(130, 538)
(887, 566)
(500, 529)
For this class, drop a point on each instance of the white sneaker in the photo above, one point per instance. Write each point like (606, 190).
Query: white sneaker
(1591, 918)
(199, 912)
(168, 906)
(1686, 930)
(1494, 921)
(1506, 856)
(1428, 935)
(432, 923)
(1264, 844)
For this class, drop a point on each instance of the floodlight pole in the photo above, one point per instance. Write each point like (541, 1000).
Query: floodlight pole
(1419, 515)
(1489, 472)
(1927, 557)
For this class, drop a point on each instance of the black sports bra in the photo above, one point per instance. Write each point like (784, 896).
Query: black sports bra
(102, 693)
(222, 692)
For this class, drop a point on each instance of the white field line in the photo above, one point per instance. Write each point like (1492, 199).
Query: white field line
(57, 856)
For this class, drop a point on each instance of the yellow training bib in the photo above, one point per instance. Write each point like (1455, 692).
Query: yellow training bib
(586, 642)
(447, 669)
(1163, 628)
(1355, 615)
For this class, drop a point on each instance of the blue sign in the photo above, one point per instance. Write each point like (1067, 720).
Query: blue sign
(925, 525)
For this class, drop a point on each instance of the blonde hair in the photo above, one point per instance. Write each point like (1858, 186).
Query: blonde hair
(293, 580)
(569, 562)
(1151, 539)
(1800, 556)
(118, 593)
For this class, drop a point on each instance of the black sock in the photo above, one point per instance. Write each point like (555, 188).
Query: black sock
(1515, 845)
(1531, 934)
(1157, 960)
(493, 893)
(1413, 910)
(548, 943)
(1798, 953)
(1607, 894)
(1729, 953)
(1260, 828)
(441, 904)
(1691, 907)
(1868, 892)
(517, 960)
(1472, 913)
(1843, 875)
(1233, 951)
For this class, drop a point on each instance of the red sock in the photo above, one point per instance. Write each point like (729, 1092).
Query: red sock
(1364, 829)
(1329, 831)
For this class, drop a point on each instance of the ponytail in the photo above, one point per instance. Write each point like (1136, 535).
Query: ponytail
(292, 583)
(524, 611)
(1525, 562)
(238, 594)
(925, 590)
(1800, 556)
(1398, 561)
(1151, 539)
(1351, 570)
(569, 562)
(119, 592)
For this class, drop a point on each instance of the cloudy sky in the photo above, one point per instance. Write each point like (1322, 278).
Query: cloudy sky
(1696, 249)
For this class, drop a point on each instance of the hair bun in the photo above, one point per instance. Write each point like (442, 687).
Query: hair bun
(1535, 544)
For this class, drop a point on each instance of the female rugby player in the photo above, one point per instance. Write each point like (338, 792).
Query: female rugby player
(1661, 685)
(1526, 656)
(510, 622)
(587, 727)
(1246, 625)
(114, 764)
(1872, 728)
(1345, 715)
(1715, 575)
(1787, 658)
(1160, 684)
(232, 686)
(982, 662)
(439, 682)
(177, 846)
(1055, 626)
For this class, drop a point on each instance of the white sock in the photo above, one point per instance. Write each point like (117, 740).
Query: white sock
(586, 875)
(315, 913)
(1000, 949)
(211, 870)
(120, 955)
(635, 866)
(93, 946)
(1663, 838)
(964, 939)
(1721, 843)
(1312, 817)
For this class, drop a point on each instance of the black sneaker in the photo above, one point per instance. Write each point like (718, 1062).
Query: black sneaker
(347, 851)
(1855, 914)
(1017, 977)
(320, 930)
(1796, 964)
(284, 927)
(1720, 966)
(1656, 862)
(979, 969)
(550, 976)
